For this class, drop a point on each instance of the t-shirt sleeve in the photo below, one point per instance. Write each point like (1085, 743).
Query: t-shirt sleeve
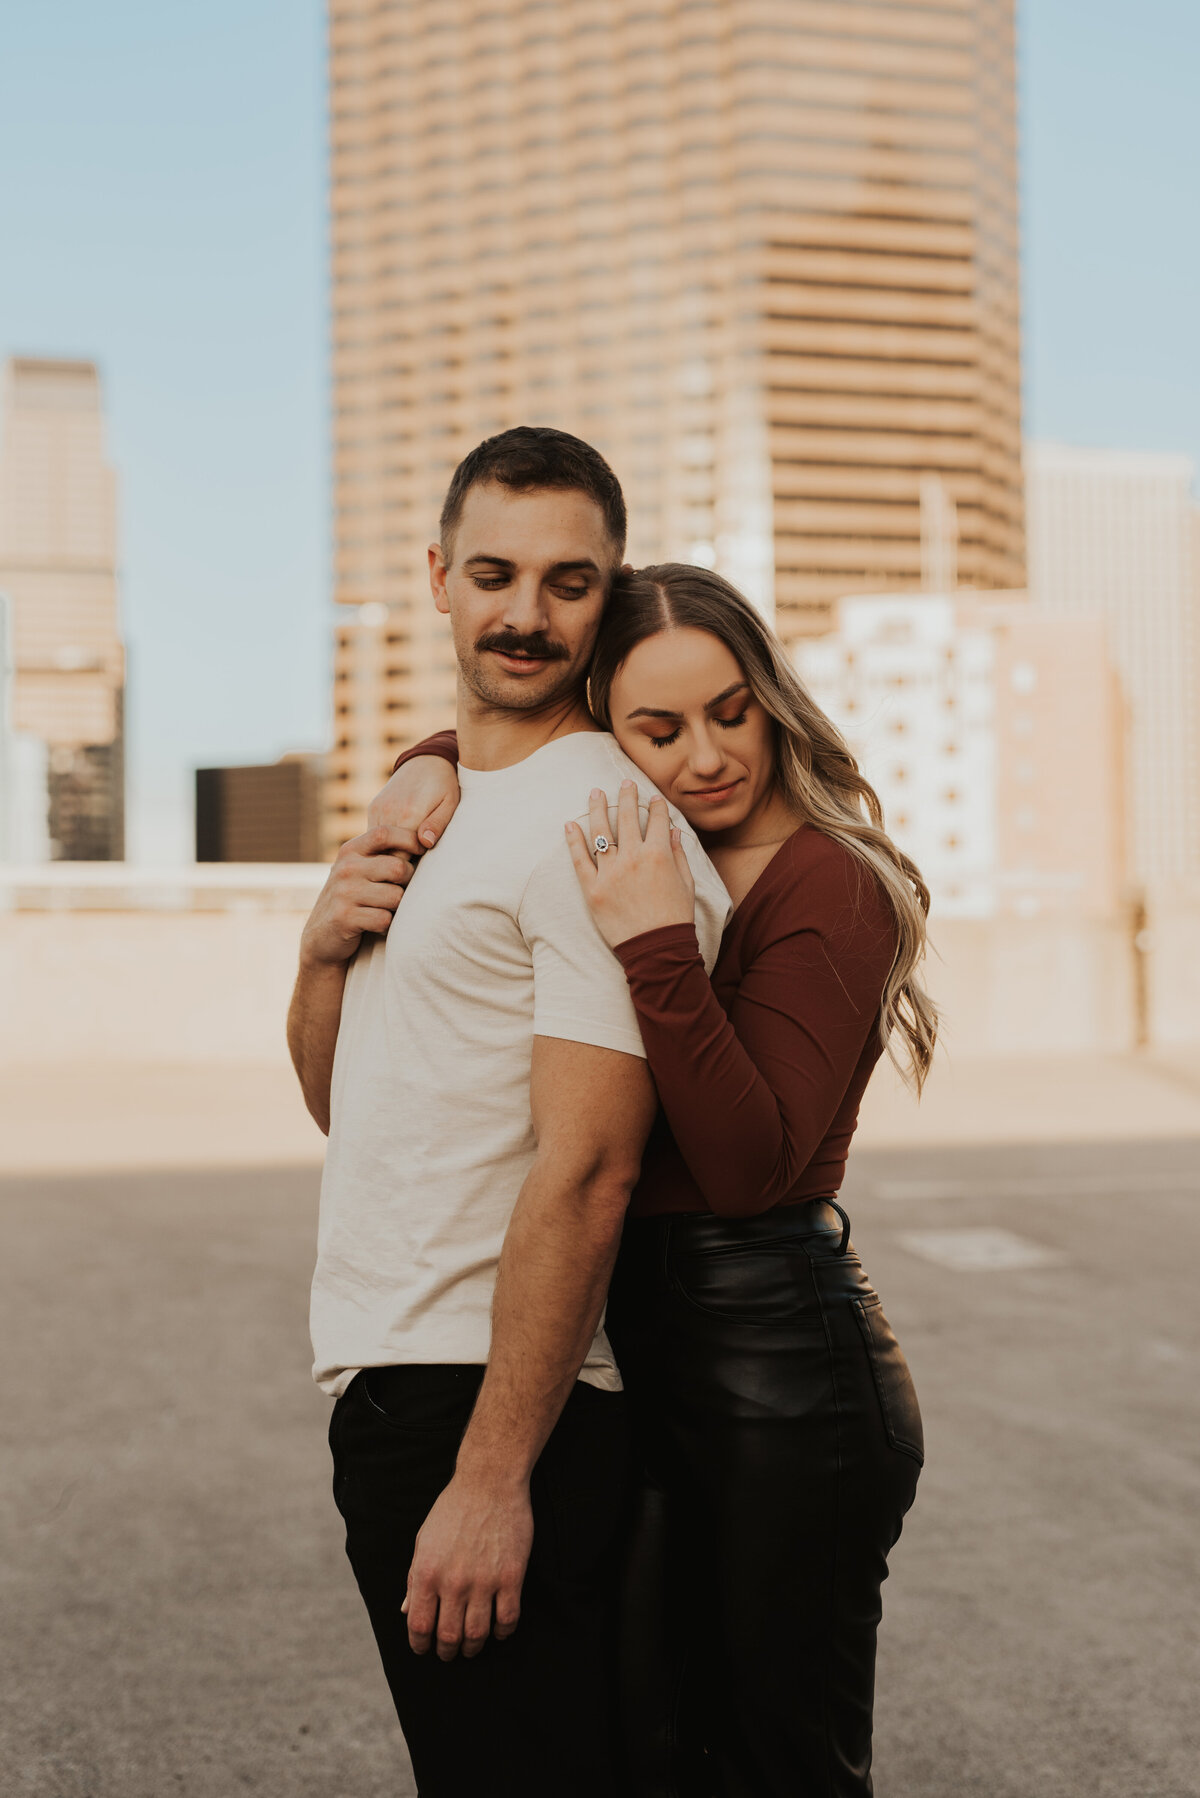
(580, 993)
(713, 905)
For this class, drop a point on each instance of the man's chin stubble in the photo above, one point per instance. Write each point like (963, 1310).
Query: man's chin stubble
(517, 695)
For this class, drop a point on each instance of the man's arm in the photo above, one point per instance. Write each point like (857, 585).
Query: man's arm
(365, 885)
(592, 1111)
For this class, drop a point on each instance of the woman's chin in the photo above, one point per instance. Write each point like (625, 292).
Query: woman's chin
(708, 817)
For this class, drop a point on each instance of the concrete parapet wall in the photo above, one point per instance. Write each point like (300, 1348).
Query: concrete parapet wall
(1046, 986)
(212, 986)
(137, 986)
(1173, 968)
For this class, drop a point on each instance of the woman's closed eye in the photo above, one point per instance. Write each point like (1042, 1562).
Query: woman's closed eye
(725, 723)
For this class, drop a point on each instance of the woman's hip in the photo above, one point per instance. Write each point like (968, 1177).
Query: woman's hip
(727, 1324)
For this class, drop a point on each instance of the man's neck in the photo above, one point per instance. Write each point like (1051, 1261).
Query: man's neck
(490, 737)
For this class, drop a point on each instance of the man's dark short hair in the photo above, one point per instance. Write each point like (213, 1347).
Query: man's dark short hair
(533, 458)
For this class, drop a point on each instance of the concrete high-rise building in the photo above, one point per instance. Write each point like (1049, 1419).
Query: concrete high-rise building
(995, 738)
(268, 813)
(762, 253)
(1114, 534)
(58, 567)
(24, 794)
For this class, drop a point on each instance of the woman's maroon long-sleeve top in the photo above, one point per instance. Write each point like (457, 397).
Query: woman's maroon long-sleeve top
(760, 1069)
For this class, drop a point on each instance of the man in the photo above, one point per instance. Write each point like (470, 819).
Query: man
(486, 1106)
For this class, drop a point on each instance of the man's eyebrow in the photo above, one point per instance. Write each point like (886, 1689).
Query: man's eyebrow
(650, 711)
(580, 562)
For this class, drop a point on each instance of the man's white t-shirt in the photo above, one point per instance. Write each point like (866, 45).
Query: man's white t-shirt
(431, 1135)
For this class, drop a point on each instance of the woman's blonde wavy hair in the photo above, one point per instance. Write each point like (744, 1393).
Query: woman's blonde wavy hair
(814, 767)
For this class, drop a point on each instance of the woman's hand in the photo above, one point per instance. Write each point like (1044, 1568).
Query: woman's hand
(421, 798)
(640, 883)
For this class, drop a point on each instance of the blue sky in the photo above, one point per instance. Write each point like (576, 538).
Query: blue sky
(162, 209)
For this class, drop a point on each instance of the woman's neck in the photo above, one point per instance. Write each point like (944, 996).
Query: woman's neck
(767, 824)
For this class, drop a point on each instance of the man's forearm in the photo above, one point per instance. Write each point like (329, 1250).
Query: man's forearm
(551, 1285)
(312, 1031)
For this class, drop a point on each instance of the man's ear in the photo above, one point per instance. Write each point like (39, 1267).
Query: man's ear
(437, 578)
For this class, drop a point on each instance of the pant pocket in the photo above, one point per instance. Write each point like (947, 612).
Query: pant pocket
(893, 1382)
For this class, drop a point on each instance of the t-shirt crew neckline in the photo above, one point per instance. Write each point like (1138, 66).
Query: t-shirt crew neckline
(476, 776)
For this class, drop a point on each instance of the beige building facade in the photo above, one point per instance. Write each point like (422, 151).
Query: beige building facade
(1115, 535)
(762, 253)
(995, 738)
(58, 567)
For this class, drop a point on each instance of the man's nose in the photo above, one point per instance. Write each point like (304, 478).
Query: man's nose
(524, 607)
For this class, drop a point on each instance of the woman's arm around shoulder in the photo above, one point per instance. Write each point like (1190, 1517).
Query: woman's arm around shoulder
(750, 1094)
(423, 792)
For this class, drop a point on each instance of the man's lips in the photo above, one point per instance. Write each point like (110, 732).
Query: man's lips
(521, 664)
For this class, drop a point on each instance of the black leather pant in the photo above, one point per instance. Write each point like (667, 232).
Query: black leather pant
(780, 1439)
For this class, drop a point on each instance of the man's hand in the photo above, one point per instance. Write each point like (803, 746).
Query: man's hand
(420, 799)
(365, 885)
(470, 1556)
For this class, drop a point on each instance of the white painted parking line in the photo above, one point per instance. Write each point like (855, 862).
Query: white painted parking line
(1044, 1186)
(982, 1250)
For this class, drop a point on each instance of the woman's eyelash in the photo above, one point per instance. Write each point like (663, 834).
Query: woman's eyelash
(725, 723)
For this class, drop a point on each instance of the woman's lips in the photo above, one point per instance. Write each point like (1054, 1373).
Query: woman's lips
(714, 795)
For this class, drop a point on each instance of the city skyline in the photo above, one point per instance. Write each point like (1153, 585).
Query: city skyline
(58, 571)
(764, 259)
(196, 281)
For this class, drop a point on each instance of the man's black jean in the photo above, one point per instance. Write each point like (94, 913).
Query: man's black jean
(532, 1716)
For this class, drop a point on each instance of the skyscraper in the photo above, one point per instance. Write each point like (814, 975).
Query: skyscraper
(763, 255)
(266, 813)
(1114, 534)
(58, 567)
(995, 738)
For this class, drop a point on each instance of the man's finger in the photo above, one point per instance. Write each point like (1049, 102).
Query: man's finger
(422, 1618)
(385, 893)
(508, 1611)
(375, 922)
(477, 1626)
(598, 819)
(378, 867)
(449, 1626)
(629, 824)
(400, 839)
(383, 837)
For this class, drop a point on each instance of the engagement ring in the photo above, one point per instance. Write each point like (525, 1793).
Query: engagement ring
(601, 845)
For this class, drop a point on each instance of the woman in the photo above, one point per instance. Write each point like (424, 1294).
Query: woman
(777, 1421)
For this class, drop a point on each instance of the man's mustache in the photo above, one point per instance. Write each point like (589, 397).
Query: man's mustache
(537, 647)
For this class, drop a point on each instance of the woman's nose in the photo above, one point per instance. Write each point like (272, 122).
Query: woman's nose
(707, 757)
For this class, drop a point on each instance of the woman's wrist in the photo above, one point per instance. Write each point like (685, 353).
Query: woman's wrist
(678, 940)
(443, 744)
